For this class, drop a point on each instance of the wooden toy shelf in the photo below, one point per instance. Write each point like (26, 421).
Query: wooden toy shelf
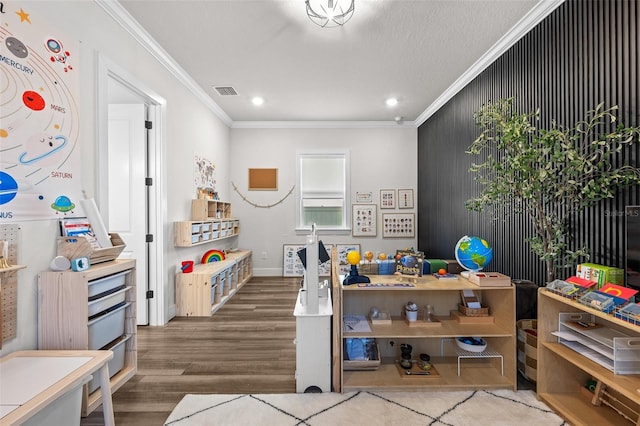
(497, 371)
(202, 292)
(563, 372)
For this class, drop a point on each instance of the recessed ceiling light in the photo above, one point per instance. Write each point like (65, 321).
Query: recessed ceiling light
(391, 102)
(257, 100)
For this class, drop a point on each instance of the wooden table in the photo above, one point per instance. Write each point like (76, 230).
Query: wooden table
(31, 380)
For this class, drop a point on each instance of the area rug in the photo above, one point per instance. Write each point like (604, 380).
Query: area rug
(459, 408)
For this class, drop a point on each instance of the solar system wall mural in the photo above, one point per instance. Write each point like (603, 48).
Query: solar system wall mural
(39, 117)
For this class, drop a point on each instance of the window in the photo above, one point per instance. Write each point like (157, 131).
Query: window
(323, 190)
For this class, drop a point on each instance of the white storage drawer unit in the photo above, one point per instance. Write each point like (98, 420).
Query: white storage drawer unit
(89, 310)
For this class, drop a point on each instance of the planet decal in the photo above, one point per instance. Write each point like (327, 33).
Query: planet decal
(212, 256)
(41, 146)
(63, 204)
(16, 47)
(8, 188)
(33, 100)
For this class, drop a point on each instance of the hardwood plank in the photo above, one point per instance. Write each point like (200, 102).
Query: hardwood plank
(245, 347)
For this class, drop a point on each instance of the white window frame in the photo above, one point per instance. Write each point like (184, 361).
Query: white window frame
(345, 201)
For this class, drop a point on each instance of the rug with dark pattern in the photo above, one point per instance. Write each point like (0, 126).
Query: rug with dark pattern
(460, 408)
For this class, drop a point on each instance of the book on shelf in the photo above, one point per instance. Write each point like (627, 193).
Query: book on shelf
(79, 227)
(446, 276)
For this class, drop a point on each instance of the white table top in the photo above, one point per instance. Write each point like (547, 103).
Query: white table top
(23, 378)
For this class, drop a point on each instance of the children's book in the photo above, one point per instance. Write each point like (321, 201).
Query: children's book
(79, 227)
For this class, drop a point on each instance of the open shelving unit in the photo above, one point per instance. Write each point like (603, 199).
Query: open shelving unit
(564, 372)
(490, 372)
(202, 292)
(210, 221)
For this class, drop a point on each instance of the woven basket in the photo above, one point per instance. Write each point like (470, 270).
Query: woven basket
(473, 312)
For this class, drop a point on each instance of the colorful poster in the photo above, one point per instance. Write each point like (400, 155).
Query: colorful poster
(39, 124)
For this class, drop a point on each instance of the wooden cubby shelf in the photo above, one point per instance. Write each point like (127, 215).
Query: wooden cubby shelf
(563, 373)
(495, 372)
(210, 221)
(202, 292)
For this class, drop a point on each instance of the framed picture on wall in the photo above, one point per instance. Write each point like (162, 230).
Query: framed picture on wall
(398, 225)
(364, 221)
(292, 265)
(387, 198)
(405, 198)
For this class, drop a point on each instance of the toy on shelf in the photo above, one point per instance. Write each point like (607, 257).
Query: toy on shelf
(353, 257)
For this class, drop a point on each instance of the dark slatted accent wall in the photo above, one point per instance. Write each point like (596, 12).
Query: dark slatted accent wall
(584, 53)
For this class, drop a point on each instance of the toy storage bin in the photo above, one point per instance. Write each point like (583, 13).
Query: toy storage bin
(110, 300)
(528, 348)
(97, 288)
(107, 327)
(63, 411)
(116, 363)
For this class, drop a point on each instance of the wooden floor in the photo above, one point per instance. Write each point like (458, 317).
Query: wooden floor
(245, 347)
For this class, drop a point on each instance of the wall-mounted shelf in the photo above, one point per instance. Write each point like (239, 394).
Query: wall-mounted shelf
(210, 221)
(192, 233)
(12, 268)
(210, 209)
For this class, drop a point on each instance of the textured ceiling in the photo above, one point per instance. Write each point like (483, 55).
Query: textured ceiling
(411, 50)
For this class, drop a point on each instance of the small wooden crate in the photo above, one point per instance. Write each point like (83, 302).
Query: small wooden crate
(372, 364)
(473, 312)
(528, 348)
(74, 247)
(464, 319)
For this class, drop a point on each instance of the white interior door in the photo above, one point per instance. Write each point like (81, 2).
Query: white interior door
(127, 192)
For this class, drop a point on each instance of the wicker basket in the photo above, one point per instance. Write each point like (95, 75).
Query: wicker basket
(473, 312)
(528, 348)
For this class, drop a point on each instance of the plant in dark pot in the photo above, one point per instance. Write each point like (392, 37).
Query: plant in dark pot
(548, 175)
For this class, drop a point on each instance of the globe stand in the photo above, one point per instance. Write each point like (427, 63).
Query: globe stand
(354, 277)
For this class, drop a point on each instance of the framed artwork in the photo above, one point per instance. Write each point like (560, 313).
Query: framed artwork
(292, 265)
(387, 198)
(398, 225)
(405, 198)
(364, 220)
(263, 180)
(343, 249)
(364, 197)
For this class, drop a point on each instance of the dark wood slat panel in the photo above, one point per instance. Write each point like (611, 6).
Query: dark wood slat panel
(584, 53)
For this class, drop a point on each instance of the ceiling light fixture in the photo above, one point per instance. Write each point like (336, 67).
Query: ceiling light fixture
(330, 13)
(257, 101)
(391, 102)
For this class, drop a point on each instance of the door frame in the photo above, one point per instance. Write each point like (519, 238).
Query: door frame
(156, 153)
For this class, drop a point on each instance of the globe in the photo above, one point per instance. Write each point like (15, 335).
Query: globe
(473, 253)
(353, 257)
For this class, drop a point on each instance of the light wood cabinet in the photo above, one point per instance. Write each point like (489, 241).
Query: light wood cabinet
(563, 373)
(67, 317)
(203, 291)
(495, 370)
(210, 221)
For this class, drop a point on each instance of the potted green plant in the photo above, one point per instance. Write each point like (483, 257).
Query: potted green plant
(548, 174)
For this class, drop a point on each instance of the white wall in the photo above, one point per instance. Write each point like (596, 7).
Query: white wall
(191, 128)
(381, 158)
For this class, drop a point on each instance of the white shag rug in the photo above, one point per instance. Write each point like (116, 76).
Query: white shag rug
(459, 408)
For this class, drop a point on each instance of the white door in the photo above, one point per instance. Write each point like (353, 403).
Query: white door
(128, 214)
